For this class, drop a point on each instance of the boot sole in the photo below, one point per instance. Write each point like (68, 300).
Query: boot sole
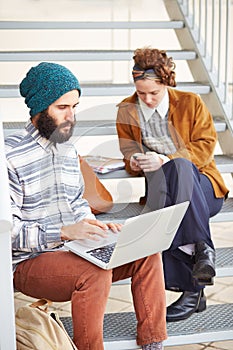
(205, 281)
(205, 275)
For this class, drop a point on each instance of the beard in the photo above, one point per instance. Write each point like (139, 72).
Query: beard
(51, 131)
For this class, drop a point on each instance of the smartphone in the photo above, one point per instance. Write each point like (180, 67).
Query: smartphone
(135, 156)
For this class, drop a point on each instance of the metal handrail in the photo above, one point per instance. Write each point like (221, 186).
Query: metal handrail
(211, 25)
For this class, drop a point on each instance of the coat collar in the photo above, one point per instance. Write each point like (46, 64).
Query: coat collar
(131, 101)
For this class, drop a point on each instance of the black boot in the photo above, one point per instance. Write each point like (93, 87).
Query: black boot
(186, 305)
(204, 267)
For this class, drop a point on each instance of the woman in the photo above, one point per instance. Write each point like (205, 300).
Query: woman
(168, 136)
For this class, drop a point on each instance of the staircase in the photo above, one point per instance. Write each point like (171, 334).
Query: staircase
(104, 74)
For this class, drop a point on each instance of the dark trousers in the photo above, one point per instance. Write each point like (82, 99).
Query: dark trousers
(177, 181)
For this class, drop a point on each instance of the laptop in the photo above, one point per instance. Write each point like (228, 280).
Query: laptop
(140, 236)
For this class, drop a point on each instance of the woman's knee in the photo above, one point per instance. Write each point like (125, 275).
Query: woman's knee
(182, 163)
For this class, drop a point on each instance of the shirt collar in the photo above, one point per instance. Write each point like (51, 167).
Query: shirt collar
(162, 108)
(42, 141)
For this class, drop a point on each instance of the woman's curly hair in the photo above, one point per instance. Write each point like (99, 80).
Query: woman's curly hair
(163, 66)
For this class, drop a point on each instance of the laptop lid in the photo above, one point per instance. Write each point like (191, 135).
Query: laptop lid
(140, 236)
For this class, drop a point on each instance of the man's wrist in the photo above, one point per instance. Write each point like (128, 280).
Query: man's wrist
(62, 233)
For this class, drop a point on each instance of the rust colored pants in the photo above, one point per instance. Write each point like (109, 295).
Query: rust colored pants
(62, 276)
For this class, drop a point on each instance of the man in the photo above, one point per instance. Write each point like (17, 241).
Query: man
(46, 188)
(168, 136)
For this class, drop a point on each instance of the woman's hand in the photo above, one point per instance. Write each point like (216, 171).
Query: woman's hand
(146, 162)
(150, 162)
(134, 164)
(88, 228)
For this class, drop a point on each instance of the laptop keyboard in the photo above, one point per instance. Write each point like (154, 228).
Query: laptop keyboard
(104, 253)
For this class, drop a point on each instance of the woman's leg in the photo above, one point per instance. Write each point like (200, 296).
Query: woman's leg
(62, 276)
(179, 181)
(214, 204)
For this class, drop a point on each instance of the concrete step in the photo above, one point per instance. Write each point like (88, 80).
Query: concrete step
(83, 55)
(32, 25)
(212, 325)
(110, 89)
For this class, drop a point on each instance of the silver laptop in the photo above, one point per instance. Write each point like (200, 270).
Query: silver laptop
(140, 236)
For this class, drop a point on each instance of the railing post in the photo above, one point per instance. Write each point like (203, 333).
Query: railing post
(7, 316)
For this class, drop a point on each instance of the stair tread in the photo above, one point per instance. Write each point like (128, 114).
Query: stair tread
(108, 127)
(16, 25)
(224, 163)
(120, 328)
(122, 211)
(83, 55)
(224, 264)
(109, 89)
(94, 127)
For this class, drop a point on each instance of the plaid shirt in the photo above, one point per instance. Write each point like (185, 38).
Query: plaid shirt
(46, 188)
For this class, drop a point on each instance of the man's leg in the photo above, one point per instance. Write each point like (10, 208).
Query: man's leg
(148, 296)
(62, 276)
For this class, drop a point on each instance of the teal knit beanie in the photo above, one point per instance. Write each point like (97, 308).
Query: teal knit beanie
(45, 83)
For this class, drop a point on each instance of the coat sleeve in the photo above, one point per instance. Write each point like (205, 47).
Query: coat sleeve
(129, 136)
(196, 134)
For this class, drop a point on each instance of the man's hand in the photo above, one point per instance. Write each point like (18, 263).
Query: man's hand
(88, 228)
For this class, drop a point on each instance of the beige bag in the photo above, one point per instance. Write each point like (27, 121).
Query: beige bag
(39, 329)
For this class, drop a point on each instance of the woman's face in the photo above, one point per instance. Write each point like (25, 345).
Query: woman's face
(150, 91)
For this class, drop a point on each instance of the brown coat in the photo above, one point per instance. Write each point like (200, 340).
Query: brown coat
(191, 127)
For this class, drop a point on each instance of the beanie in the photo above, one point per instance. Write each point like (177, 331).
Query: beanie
(45, 83)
